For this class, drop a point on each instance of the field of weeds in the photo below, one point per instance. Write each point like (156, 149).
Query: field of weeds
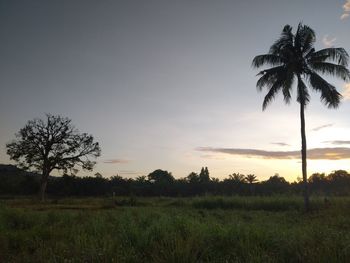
(203, 229)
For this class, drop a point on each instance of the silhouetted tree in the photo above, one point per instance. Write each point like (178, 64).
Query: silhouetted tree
(237, 178)
(275, 184)
(293, 56)
(160, 176)
(318, 183)
(193, 178)
(141, 179)
(340, 182)
(53, 143)
(204, 175)
(251, 179)
(162, 182)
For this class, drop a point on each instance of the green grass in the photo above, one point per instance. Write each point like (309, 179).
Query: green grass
(207, 229)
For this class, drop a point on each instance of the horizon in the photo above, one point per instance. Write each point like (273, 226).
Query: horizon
(170, 85)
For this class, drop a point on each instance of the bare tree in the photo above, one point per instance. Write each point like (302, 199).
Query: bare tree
(52, 143)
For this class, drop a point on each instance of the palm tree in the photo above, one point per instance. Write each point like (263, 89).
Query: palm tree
(237, 178)
(293, 58)
(251, 178)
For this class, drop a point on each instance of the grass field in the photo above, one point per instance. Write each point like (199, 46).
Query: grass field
(203, 229)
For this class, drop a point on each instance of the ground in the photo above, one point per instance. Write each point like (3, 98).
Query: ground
(202, 229)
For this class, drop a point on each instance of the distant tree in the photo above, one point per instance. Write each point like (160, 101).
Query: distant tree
(204, 175)
(317, 177)
(98, 175)
(193, 178)
(52, 143)
(160, 176)
(251, 178)
(318, 182)
(141, 179)
(277, 179)
(293, 57)
(339, 175)
(162, 182)
(237, 178)
(275, 184)
(339, 180)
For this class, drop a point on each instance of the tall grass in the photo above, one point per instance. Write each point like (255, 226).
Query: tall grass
(197, 230)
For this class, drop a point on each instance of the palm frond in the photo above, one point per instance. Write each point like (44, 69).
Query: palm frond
(285, 41)
(331, 69)
(267, 59)
(269, 77)
(293, 56)
(287, 86)
(271, 94)
(305, 38)
(303, 93)
(329, 94)
(338, 55)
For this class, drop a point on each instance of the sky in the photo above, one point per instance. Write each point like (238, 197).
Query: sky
(169, 84)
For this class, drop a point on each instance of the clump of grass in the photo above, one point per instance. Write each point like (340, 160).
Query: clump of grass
(130, 201)
(275, 203)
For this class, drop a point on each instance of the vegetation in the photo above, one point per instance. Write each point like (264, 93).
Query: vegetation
(17, 182)
(293, 56)
(235, 229)
(158, 218)
(53, 143)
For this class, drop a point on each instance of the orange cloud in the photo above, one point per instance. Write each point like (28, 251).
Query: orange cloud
(346, 92)
(346, 8)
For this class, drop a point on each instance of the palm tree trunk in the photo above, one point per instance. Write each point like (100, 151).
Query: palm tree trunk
(303, 157)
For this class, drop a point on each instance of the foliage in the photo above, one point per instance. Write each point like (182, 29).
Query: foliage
(293, 57)
(15, 181)
(79, 230)
(53, 143)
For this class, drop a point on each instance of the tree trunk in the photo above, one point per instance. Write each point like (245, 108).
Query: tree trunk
(43, 187)
(303, 157)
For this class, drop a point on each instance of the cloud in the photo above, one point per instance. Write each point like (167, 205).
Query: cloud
(337, 142)
(346, 92)
(114, 161)
(328, 42)
(280, 143)
(346, 8)
(322, 127)
(344, 16)
(337, 153)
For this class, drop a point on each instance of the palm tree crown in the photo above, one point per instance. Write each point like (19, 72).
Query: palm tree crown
(251, 178)
(293, 56)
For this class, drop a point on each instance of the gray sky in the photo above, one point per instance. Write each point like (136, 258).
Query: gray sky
(156, 82)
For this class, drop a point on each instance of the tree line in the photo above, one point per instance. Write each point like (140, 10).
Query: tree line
(16, 181)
